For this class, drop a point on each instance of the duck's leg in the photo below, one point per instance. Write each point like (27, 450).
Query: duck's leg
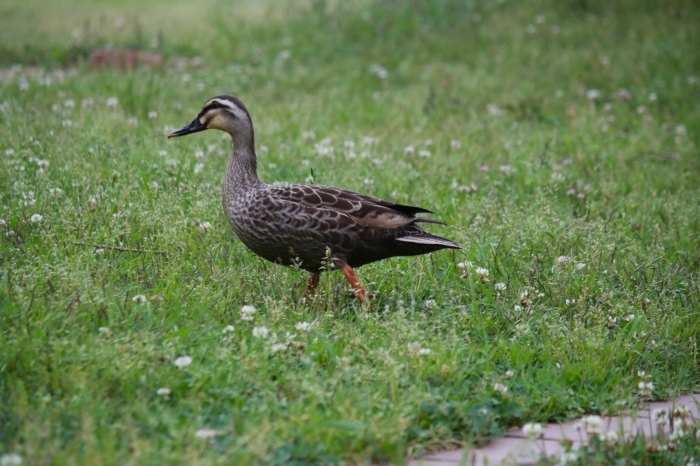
(354, 282)
(311, 286)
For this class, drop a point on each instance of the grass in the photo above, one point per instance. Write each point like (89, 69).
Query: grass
(572, 178)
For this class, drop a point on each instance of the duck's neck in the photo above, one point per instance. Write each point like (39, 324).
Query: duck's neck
(242, 169)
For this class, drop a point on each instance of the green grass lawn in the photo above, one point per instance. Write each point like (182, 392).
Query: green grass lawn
(558, 140)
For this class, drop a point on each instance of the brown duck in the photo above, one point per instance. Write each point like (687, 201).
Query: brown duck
(297, 224)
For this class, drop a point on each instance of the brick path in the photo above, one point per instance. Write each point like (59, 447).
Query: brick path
(515, 448)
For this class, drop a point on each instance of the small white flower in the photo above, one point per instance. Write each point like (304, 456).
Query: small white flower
(409, 150)
(641, 374)
(198, 168)
(36, 218)
(567, 458)
(206, 433)
(532, 430)
(500, 286)
(247, 312)
(9, 151)
(182, 362)
(163, 391)
(10, 459)
(562, 260)
(103, 330)
(660, 416)
(645, 389)
(112, 102)
(139, 298)
(424, 153)
(510, 373)
(277, 347)
(424, 351)
(204, 227)
(99, 251)
(594, 425)
(494, 110)
(378, 71)
(593, 94)
(483, 274)
(611, 438)
(303, 326)
(455, 144)
(152, 115)
(229, 329)
(261, 332)
(499, 387)
(580, 265)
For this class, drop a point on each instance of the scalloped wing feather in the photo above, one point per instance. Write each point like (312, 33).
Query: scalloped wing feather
(366, 211)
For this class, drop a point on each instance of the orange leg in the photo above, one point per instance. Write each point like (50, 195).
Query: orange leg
(311, 286)
(354, 282)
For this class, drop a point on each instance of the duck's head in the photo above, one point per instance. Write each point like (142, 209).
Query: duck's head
(224, 112)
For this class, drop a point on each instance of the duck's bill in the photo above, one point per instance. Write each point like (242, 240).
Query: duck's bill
(193, 127)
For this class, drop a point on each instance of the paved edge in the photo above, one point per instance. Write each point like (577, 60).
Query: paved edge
(514, 448)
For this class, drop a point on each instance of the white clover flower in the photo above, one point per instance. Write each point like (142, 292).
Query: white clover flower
(261, 332)
(139, 298)
(9, 151)
(182, 362)
(303, 326)
(198, 168)
(494, 110)
(593, 94)
(204, 227)
(152, 115)
(455, 144)
(277, 347)
(229, 329)
(500, 286)
(409, 150)
(163, 391)
(206, 433)
(678, 433)
(112, 102)
(645, 389)
(510, 373)
(594, 425)
(660, 417)
(36, 218)
(499, 387)
(103, 330)
(483, 274)
(532, 430)
(424, 351)
(430, 304)
(611, 438)
(378, 71)
(10, 459)
(568, 458)
(424, 153)
(247, 312)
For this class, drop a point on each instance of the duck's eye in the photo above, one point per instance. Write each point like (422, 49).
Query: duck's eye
(214, 105)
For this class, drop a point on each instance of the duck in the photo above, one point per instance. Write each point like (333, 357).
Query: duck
(313, 227)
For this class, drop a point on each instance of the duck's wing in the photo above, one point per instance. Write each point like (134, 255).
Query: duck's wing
(366, 211)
